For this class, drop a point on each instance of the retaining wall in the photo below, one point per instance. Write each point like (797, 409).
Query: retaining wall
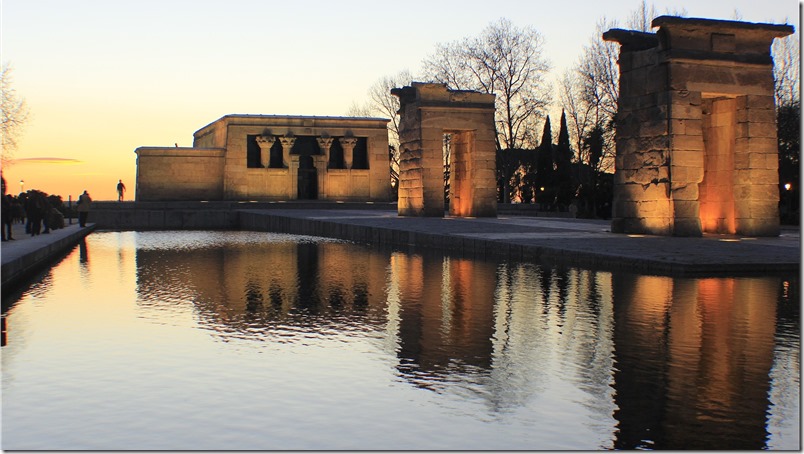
(18, 265)
(223, 215)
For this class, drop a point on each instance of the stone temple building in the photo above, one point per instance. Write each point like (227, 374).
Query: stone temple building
(272, 157)
(696, 129)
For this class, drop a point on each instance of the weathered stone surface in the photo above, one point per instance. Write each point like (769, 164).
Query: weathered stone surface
(682, 191)
(696, 129)
(687, 226)
(685, 126)
(686, 174)
(687, 158)
(645, 175)
(639, 192)
(428, 111)
(244, 143)
(685, 209)
(757, 227)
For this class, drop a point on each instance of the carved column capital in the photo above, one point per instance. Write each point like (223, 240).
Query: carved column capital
(348, 144)
(265, 143)
(324, 143)
(287, 143)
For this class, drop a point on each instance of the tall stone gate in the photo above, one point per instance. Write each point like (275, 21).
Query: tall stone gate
(696, 129)
(428, 112)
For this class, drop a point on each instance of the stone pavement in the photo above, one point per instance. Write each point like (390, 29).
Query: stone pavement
(572, 242)
(575, 242)
(26, 254)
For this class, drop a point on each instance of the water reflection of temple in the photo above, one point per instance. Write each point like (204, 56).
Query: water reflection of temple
(652, 361)
(446, 315)
(702, 350)
(240, 288)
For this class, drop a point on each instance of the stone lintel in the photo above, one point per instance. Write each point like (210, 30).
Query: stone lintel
(185, 152)
(631, 40)
(681, 55)
(672, 22)
(438, 95)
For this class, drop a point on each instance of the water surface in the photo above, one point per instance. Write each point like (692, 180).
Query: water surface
(245, 340)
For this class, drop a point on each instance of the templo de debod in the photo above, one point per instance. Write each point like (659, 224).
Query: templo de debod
(696, 129)
(271, 157)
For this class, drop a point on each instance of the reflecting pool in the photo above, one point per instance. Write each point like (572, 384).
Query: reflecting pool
(246, 340)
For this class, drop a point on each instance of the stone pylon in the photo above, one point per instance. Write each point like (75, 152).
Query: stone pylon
(696, 129)
(428, 112)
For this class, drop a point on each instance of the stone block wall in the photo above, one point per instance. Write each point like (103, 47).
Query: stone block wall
(717, 190)
(427, 113)
(172, 173)
(190, 173)
(696, 132)
(643, 202)
(756, 167)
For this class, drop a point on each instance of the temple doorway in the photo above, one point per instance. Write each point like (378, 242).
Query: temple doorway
(308, 179)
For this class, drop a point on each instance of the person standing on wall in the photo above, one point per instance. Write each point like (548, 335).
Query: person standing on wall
(121, 188)
(83, 208)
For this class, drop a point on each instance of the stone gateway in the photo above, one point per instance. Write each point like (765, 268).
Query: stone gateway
(272, 157)
(428, 112)
(696, 129)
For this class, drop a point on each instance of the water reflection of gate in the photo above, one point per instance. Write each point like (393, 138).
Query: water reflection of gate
(665, 362)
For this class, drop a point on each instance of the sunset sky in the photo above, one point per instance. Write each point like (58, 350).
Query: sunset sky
(103, 77)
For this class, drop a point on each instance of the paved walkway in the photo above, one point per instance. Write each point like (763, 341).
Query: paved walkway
(555, 240)
(562, 240)
(25, 253)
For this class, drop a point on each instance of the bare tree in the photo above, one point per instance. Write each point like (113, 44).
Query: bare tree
(386, 104)
(507, 61)
(359, 110)
(15, 114)
(589, 94)
(641, 18)
(787, 83)
(786, 72)
(589, 91)
(382, 103)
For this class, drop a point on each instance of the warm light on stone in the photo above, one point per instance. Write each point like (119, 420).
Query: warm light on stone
(427, 113)
(696, 131)
(231, 159)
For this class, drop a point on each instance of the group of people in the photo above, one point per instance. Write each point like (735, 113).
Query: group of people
(35, 209)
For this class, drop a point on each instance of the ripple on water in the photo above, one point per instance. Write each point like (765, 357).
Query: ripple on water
(250, 340)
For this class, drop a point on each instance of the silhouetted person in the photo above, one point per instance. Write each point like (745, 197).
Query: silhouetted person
(8, 218)
(121, 189)
(83, 208)
(35, 208)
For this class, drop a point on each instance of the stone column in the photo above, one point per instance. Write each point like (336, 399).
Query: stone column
(756, 166)
(287, 143)
(348, 144)
(265, 143)
(325, 143)
(294, 176)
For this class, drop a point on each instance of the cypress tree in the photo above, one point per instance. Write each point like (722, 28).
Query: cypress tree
(545, 177)
(544, 156)
(563, 161)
